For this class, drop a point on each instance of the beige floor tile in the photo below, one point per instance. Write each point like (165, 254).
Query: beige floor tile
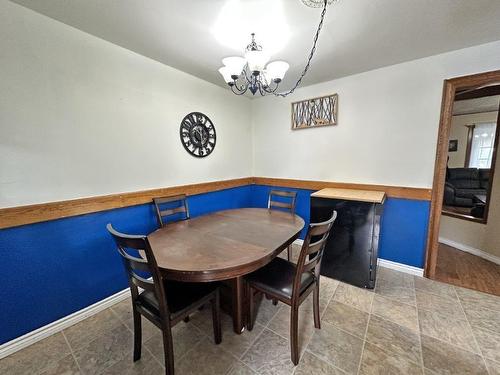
(36, 358)
(147, 365)
(396, 293)
(269, 354)
(479, 299)
(340, 348)
(184, 336)
(394, 338)
(397, 312)
(239, 368)
(354, 296)
(347, 318)
(376, 361)
(394, 278)
(105, 350)
(265, 310)
(231, 342)
(66, 366)
(205, 358)
(280, 324)
(443, 327)
(435, 287)
(124, 312)
(310, 364)
(489, 343)
(87, 330)
(443, 305)
(482, 318)
(493, 367)
(444, 358)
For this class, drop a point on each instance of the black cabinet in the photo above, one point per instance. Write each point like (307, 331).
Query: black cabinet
(352, 248)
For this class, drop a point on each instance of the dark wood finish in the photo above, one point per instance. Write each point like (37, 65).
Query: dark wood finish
(309, 262)
(21, 215)
(494, 157)
(466, 270)
(351, 255)
(163, 213)
(154, 303)
(454, 212)
(286, 201)
(450, 87)
(224, 245)
(391, 191)
(470, 134)
(477, 93)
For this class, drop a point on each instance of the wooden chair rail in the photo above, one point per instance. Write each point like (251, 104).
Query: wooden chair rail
(22, 215)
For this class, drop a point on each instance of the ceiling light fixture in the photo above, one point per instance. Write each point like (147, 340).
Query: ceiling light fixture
(253, 72)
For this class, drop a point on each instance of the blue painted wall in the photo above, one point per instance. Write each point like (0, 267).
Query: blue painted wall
(54, 268)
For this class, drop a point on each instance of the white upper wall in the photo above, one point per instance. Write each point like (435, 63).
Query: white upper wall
(81, 117)
(387, 123)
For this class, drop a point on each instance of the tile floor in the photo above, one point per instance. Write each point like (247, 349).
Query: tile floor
(408, 325)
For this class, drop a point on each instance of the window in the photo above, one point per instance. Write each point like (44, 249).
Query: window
(483, 141)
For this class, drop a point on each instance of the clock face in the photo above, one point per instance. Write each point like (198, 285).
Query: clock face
(198, 134)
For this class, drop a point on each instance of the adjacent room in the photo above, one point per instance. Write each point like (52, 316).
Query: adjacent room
(250, 187)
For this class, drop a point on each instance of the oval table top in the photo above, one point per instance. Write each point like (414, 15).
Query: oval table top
(224, 244)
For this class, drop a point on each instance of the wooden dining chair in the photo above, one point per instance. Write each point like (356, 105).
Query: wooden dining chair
(290, 283)
(164, 303)
(175, 206)
(283, 200)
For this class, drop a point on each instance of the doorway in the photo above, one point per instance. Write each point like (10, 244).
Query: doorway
(463, 218)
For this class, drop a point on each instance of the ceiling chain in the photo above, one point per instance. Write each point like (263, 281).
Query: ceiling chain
(311, 54)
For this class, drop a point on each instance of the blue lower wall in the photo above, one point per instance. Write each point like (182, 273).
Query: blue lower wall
(54, 268)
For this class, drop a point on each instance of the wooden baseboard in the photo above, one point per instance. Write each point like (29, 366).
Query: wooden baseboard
(22, 215)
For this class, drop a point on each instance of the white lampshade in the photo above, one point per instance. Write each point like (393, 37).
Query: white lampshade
(256, 60)
(234, 64)
(277, 69)
(224, 71)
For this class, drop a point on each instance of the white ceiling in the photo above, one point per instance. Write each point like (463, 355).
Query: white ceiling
(358, 35)
(478, 105)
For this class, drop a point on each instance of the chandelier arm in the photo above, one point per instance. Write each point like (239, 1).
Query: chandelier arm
(238, 90)
(311, 54)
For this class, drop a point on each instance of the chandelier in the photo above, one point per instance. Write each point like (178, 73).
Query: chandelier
(254, 73)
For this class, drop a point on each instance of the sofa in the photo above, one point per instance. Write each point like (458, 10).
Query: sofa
(463, 183)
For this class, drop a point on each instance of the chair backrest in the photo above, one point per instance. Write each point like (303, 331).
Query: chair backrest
(170, 206)
(136, 266)
(282, 199)
(312, 252)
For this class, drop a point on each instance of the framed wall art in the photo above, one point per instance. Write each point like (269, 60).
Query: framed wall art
(315, 112)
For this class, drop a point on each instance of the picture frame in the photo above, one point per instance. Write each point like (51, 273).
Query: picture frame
(314, 112)
(453, 145)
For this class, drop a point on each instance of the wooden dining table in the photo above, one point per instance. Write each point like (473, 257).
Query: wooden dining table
(224, 245)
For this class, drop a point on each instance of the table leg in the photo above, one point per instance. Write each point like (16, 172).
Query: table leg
(238, 305)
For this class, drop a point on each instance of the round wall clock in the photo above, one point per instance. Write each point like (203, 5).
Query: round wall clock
(197, 134)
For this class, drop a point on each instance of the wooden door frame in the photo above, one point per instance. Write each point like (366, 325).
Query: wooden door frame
(449, 90)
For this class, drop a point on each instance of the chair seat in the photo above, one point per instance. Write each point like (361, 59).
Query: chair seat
(277, 278)
(179, 296)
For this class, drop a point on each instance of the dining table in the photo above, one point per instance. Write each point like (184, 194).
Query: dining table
(224, 246)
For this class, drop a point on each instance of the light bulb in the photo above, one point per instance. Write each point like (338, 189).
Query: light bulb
(277, 69)
(234, 64)
(224, 71)
(256, 60)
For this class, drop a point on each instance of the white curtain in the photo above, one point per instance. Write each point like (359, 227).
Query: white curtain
(482, 145)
